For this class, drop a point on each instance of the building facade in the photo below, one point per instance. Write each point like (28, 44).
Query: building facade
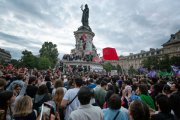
(171, 48)
(5, 55)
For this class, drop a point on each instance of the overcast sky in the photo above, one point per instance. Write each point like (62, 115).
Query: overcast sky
(127, 25)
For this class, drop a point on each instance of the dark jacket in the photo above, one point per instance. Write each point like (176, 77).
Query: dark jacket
(31, 90)
(31, 116)
(39, 100)
(162, 116)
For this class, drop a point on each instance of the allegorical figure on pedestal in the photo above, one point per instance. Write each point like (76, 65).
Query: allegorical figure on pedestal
(89, 45)
(83, 41)
(85, 15)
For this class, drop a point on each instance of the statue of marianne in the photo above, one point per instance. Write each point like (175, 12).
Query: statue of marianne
(85, 16)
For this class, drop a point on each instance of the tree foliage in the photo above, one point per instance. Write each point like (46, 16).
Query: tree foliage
(47, 58)
(16, 63)
(44, 63)
(119, 69)
(164, 63)
(49, 51)
(2, 61)
(175, 60)
(150, 62)
(28, 59)
(161, 64)
(108, 67)
(132, 71)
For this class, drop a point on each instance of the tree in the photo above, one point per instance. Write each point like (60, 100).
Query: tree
(28, 59)
(2, 61)
(43, 63)
(164, 63)
(132, 71)
(119, 69)
(16, 63)
(49, 51)
(108, 67)
(161, 64)
(151, 62)
(175, 60)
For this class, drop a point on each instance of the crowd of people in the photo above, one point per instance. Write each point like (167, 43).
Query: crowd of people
(74, 57)
(87, 96)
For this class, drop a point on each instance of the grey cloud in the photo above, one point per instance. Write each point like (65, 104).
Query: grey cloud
(21, 17)
(34, 12)
(153, 32)
(129, 26)
(141, 21)
(15, 52)
(17, 39)
(67, 44)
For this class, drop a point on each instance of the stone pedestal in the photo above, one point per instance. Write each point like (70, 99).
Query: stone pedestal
(84, 42)
(84, 52)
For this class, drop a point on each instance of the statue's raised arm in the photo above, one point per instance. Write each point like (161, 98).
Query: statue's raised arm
(85, 16)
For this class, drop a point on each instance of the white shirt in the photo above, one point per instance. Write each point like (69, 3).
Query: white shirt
(87, 112)
(70, 94)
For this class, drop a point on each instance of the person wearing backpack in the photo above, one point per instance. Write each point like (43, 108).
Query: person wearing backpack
(70, 101)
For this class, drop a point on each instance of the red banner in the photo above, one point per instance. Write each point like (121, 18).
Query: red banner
(110, 54)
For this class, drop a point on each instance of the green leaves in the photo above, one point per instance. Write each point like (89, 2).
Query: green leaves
(44, 63)
(47, 58)
(49, 51)
(108, 67)
(150, 62)
(28, 59)
(162, 63)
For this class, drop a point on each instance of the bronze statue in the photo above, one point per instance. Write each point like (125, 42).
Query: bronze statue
(85, 16)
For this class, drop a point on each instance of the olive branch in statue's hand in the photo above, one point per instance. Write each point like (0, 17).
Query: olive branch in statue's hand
(81, 7)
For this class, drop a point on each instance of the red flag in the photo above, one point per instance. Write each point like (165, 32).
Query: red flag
(110, 54)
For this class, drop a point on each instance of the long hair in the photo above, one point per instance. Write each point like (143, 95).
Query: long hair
(59, 94)
(23, 106)
(5, 97)
(139, 110)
